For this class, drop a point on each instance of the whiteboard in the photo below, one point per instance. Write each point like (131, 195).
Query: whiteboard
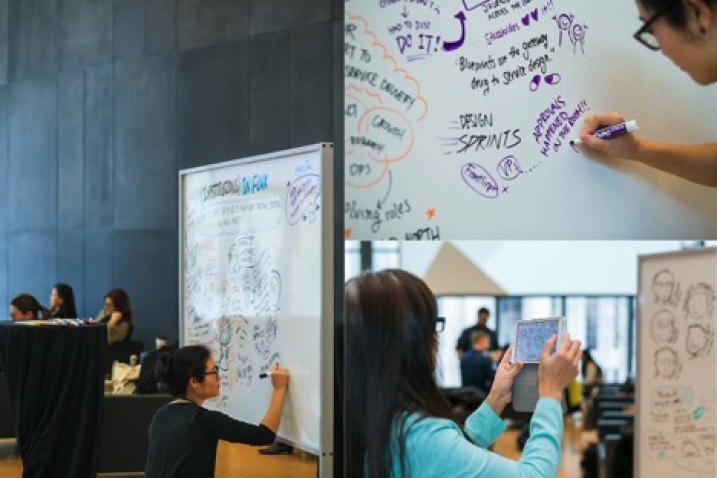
(458, 116)
(256, 283)
(676, 365)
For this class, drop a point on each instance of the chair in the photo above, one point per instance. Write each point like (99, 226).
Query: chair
(124, 430)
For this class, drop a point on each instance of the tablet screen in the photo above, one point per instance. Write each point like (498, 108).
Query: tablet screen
(531, 336)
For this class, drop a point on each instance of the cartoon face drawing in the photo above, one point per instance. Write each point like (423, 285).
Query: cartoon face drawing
(667, 363)
(578, 33)
(663, 284)
(699, 340)
(564, 21)
(662, 327)
(699, 301)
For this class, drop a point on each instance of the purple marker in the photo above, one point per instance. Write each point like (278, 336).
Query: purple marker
(611, 131)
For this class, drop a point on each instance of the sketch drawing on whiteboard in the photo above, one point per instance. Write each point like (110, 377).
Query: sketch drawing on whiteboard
(708, 444)
(578, 37)
(564, 21)
(699, 340)
(666, 290)
(662, 327)
(699, 301)
(667, 363)
(690, 449)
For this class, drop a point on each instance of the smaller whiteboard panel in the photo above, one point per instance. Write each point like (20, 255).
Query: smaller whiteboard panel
(256, 284)
(677, 365)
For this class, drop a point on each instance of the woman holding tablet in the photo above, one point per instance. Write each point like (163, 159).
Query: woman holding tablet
(686, 32)
(398, 421)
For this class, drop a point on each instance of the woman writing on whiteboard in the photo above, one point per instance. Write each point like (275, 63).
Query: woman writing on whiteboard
(398, 421)
(686, 32)
(183, 435)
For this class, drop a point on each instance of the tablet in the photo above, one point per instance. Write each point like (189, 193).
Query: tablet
(531, 335)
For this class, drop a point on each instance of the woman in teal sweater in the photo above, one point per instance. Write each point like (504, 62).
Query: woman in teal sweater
(399, 423)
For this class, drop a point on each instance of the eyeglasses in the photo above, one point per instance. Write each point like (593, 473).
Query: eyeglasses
(214, 371)
(645, 35)
(440, 324)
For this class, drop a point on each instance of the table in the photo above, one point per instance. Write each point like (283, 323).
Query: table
(55, 379)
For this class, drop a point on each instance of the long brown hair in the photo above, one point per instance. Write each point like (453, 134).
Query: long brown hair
(120, 300)
(391, 344)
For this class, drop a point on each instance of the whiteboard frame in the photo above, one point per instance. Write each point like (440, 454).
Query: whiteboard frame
(326, 150)
(639, 395)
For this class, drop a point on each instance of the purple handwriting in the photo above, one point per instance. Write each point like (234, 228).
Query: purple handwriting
(503, 32)
(554, 124)
(303, 198)
(509, 168)
(479, 180)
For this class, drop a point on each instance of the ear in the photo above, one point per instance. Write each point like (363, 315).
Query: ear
(699, 15)
(194, 383)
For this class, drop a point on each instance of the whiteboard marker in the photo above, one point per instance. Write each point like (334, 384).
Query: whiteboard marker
(611, 131)
(265, 375)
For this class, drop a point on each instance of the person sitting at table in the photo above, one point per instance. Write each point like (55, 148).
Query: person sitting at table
(117, 314)
(62, 302)
(26, 307)
(183, 435)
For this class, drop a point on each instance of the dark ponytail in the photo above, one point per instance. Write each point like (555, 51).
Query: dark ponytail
(26, 303)
(175, 370)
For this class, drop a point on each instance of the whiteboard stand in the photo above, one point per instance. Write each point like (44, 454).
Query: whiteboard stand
(675, 407)
(282, 205)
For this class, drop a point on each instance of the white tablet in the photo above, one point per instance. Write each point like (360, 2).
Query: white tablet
(531, 335)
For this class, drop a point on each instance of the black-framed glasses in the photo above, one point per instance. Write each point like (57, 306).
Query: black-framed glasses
(214, 371)
(645, 35)
(440, 324)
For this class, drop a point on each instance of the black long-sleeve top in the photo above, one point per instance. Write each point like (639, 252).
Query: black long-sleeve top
(183, 440)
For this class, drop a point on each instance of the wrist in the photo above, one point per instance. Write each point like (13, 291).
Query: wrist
(555, 395)
(495, 403)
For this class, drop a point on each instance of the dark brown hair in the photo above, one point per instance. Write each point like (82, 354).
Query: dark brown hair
(27, 303)
(120, 299)
(390, 354)
(676, 14)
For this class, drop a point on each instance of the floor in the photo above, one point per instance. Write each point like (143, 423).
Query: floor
(240, 460)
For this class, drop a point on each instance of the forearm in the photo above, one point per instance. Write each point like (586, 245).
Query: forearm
(272, 418)
(696, 163)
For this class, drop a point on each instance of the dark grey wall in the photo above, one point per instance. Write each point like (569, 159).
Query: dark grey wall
(102, 102)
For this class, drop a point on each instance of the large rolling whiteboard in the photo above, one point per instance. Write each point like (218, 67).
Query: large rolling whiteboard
(257, 284)
(676, 404)
(458, 116)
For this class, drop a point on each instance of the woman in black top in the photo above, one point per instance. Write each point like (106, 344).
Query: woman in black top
(62, 302)
(183, 435)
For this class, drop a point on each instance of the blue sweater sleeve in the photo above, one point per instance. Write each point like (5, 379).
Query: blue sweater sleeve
(438, 448)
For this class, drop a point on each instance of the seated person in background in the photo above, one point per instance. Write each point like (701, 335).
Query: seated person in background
(183, 435)
(26, 307)
(117, 314)
(476, 366)
(62, 302)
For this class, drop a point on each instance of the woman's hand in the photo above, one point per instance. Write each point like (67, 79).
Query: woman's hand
(501, 392)
(557, 371)
(279, 378)
(625, 146)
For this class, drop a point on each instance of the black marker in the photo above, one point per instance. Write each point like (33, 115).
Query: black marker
(265, 375)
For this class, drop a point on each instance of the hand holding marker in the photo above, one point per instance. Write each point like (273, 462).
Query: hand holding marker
(612, 131)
